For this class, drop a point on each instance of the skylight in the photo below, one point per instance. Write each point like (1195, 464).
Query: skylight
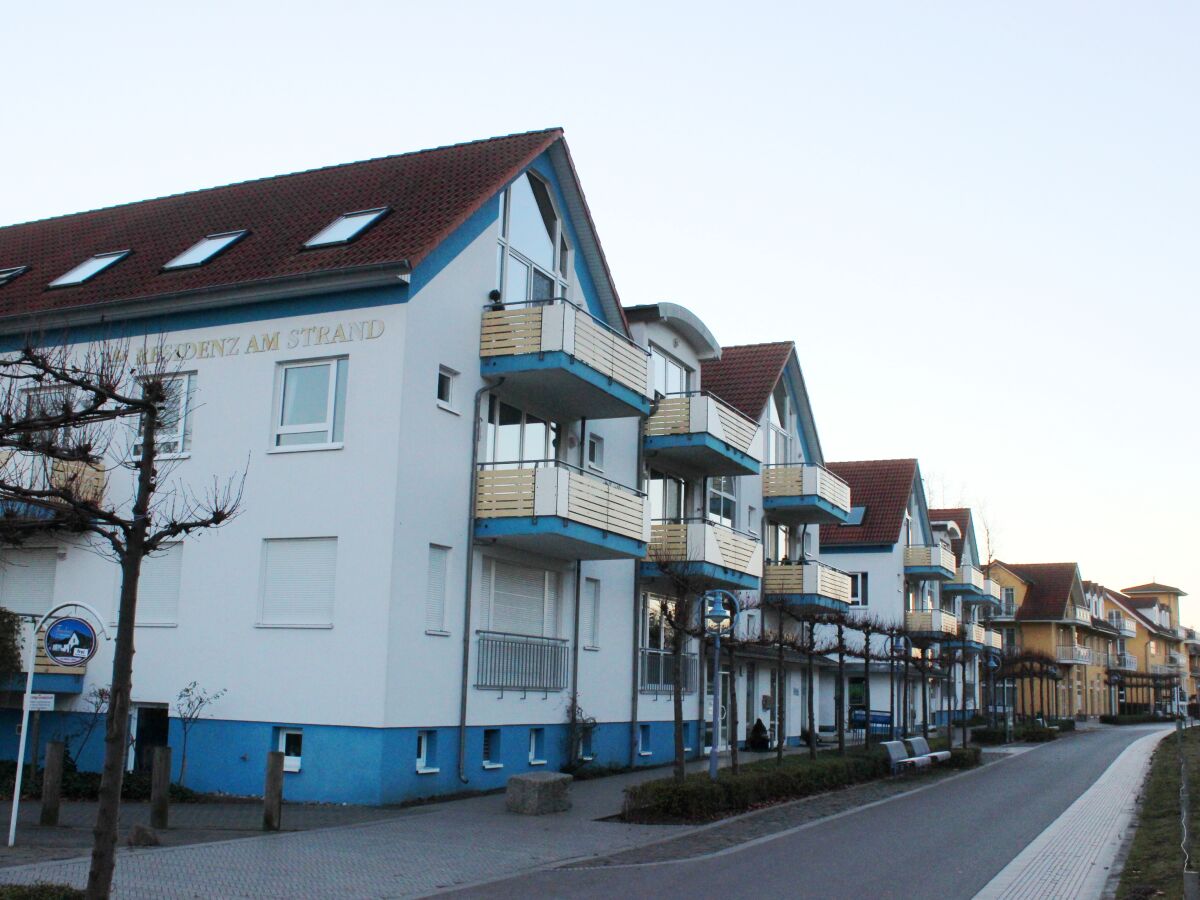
(89, 268)
(205, 249)
(345, 227)
(7, 275)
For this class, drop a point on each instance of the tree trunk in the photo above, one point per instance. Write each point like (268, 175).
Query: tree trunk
(812, 712)
(963, 672)
(116, 726)
(677, 639)
(733, 712)
(867, 688)
(891, 689)
(924, 705)
(183, 754)
(840, 718)
(780, 685)
(904, 692)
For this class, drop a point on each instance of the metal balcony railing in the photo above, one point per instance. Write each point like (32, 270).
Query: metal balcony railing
(521, 662)
(1073, 654)
(1126, 626)
(656, 671)
(1125, 661)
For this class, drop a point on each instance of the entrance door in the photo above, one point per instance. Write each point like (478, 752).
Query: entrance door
(152, 726)
(771, 723)
(722, 712)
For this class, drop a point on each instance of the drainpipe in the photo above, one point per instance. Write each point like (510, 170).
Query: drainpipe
(464, 688)
(573, 718)
(637, 621)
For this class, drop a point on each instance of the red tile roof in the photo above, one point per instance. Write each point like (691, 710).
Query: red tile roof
(430, 193)
(883, 487)
(960, 516)
(1048, 588)
(1153, 587)
(745, 376)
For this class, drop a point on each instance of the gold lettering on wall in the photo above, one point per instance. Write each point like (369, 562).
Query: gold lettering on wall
(263, 342)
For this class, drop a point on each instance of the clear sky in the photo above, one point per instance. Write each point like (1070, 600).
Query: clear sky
(979, 222)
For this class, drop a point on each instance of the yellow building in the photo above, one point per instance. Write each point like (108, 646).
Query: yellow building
(1157, 676)
(1046, 614)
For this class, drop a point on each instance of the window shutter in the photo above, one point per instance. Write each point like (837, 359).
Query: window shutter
(27, 580)
(485, 593)
(298, 581)
(158, 587)
(589, 609)
(519, 602)
(435, 592)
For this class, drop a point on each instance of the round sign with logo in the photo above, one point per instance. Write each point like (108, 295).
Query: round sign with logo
(70, 641)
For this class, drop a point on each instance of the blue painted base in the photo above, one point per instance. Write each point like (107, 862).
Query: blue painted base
(719, 576)
(808, 601)
(745, 463)
(583, 541)
(372, 766)
(637, 404)
(808, 506)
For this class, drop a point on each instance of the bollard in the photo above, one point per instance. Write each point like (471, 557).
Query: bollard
(273, 792)
(160, 787)
(52, 782)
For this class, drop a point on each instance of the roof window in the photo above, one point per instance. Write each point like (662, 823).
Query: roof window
(205, 249)
(345, 228)
(89, 268)
(7, 275)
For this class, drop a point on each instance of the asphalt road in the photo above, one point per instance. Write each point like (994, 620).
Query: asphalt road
(947, 841)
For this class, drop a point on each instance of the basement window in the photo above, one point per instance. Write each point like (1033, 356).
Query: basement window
(7, 275)
(205, 249)
(345, 228)
(89, 268)
(291, 744)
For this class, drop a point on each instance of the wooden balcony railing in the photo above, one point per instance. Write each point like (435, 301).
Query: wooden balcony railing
(697, 412)
(807, 578)
(931, 621)
(930, 557)
(696, 540)
(806, 480)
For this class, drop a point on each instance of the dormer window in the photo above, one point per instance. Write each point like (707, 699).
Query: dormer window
(534, 256)
(345, 228)
(7, 275)
(89, 268)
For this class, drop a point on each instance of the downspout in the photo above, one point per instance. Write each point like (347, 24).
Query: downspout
(573, 718)
(470, 576)
(637, 619)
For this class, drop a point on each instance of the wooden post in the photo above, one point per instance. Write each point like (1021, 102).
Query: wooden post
(273, 792)
(160, 787)
(52, 782)
(35, 727)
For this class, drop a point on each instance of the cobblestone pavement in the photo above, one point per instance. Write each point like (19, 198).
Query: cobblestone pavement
(1073, 857)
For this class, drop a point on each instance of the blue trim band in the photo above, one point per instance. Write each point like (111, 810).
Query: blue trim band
(727, 577)
(806, 501)
(856, 548)
(928, 571)
(46, 683)
(704, 440)
(558, 526)
(559, 359)
(809, 600)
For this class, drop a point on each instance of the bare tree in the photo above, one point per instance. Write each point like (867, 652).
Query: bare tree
(63, 410)
(96, 700)
(190, 704)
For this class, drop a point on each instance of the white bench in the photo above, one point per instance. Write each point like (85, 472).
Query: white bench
(920, 749)
(899, 759)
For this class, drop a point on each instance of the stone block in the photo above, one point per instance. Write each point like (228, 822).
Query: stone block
(538, 793)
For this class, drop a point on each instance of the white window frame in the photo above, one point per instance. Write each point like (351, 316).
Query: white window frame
(591, 596)
(595, 443)
(563, 252)
(423, 767)
(180, 435)
(856, 589)
(731, 495)
(309, 428)
(534, 733)
(262, 584)
(488, 762)
(451, 376)
(288, 764)
(437, 629)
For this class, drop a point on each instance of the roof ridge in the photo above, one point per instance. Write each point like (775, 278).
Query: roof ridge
(280, 175)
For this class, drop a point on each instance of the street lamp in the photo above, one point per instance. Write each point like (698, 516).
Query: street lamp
(716, 620)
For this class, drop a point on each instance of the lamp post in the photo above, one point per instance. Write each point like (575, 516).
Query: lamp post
(716, 619)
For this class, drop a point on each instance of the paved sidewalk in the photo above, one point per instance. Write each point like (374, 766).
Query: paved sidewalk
(1073, 857)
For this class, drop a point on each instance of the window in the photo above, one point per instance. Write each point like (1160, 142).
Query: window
(491, 749)
(158, 587)
(7, 275)
(858, 588)
(752, 520)
(1010, 638)
(312, 404)
(173, 435)
(657, 631)
(589, 614)
(666, 496)
(669, 375)
(345, 228)
(27, 579)
(537, 746)
(779, 542)
(722, 500)
(445, 388)
(595, 452)
(520, 599)
(514, 437)
(205, 249)
(291, 743)
(856, 515)
(89, 268)
(298, 582)
(644, 739)
(534, 254)
(777, 446)
(586, 750)
(1153, 647)
(435, 590)
(427, 752)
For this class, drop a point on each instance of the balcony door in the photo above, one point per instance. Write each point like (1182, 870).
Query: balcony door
(517, 439)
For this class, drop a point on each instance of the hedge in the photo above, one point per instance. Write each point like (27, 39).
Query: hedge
(78, 785)
(42, 890)
(1034, 734)
(1133, 719)
(697, 798)
(1062, 724)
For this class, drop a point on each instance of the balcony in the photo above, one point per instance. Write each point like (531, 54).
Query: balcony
(936, 624)
(1126, 662)
(805, 493)
(519, 662)
(929, 563)
(656, 671)
(1159, 669)
(554, 508)
(1073, 654)
(696, 435)
(562, 363)
(1127, 627)
(811, 586)
(993, 590)
(967, 583)
(720, 556)
(972, 637)
(993, 640)
(1175, 660)
(1079, 615)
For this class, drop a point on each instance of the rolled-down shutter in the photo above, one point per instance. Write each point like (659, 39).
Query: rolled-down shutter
(524, 599)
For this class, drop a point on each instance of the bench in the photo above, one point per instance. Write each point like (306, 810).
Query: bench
(538, 793)
(899, 760)
(920, 748)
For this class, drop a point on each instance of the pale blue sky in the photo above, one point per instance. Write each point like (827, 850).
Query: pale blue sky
(979, 222)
